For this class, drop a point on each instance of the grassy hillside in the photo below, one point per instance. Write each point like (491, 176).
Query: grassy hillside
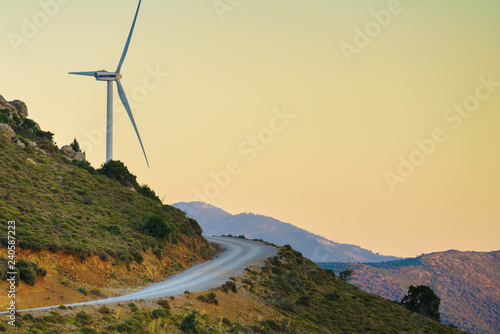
(288, 294)
(468, 284)
(62, 209)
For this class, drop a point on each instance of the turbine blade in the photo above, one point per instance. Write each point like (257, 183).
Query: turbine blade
(90, 74)
(123, 97)
(128, 40)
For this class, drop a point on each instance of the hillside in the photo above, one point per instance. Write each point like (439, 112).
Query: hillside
(468, 284)
(71, 221)
(288, 294)
(82, 234)
(215, 221)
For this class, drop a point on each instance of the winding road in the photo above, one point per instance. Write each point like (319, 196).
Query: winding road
(239, 254)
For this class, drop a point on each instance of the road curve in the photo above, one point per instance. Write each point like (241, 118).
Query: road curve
(239, 254)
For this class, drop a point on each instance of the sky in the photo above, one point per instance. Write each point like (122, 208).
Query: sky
(367, 122)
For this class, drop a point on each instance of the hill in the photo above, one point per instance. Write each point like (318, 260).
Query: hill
(83, 234)
(287, 294)
(70, 220)
(215, 221)
(468, 284)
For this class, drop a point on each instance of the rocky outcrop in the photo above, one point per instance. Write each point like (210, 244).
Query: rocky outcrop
(19, 143)
(16, 107)
(8, 131)
(68, 151)
(21, 108)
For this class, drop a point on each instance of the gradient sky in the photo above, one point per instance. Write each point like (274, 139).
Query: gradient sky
(221, 77)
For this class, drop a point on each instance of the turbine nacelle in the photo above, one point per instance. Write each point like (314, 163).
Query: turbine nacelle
(101, 75)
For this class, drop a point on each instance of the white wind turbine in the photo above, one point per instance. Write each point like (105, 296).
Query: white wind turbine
(110, 77)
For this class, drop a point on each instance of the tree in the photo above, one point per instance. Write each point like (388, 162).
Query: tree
(423, 300)
(75, 146)
(115, 169)
(346, 275)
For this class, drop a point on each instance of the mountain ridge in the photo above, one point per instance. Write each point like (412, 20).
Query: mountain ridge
(216, 221)
(468, 284)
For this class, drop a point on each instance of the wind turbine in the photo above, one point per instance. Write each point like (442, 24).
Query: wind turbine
(110, 77)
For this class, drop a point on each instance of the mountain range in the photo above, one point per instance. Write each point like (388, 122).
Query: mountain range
(215, 221)
(468, 284)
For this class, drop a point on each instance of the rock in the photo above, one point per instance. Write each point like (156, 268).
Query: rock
(9, 133)
(4, 104)
(21, 108)
(19, 143)
(32, 143)
(68, 151)
(129, 186)
(32, 161)
(80, 156)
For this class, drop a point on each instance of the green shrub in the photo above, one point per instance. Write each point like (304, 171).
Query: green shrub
(29, 271)
(226, 321)
(96, 292)
(157, 227)
(159, 253)
(191, 323)
(83, 318)
(115, 230)
(209, 298)
(229, 286)
(104, 310)
(163, 303)
(133, 307)
(82, 290)
(159, 313)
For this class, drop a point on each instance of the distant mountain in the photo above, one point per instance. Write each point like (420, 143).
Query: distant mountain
(215, 221)
(468, 284)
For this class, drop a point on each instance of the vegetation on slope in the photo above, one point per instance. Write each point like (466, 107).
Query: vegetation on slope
(467, 283)
(62, 208)
(289, 294)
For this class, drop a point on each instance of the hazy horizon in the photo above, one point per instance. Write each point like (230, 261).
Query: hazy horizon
(372, 123)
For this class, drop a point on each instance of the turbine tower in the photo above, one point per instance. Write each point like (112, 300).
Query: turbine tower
(110, 77)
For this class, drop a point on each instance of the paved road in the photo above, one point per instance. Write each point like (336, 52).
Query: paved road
(239, 254)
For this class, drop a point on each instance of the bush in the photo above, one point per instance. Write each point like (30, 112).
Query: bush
(116, 170)
(83, 318)
(164, 303)
(29, 271)
(191, 323)
(82, 290)
(159, 253)
(104, 310)
(229, 286)
(83, 164)
(209, 298)
(226, 321)
(96, 292)
(157, 227)
(159, 313)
